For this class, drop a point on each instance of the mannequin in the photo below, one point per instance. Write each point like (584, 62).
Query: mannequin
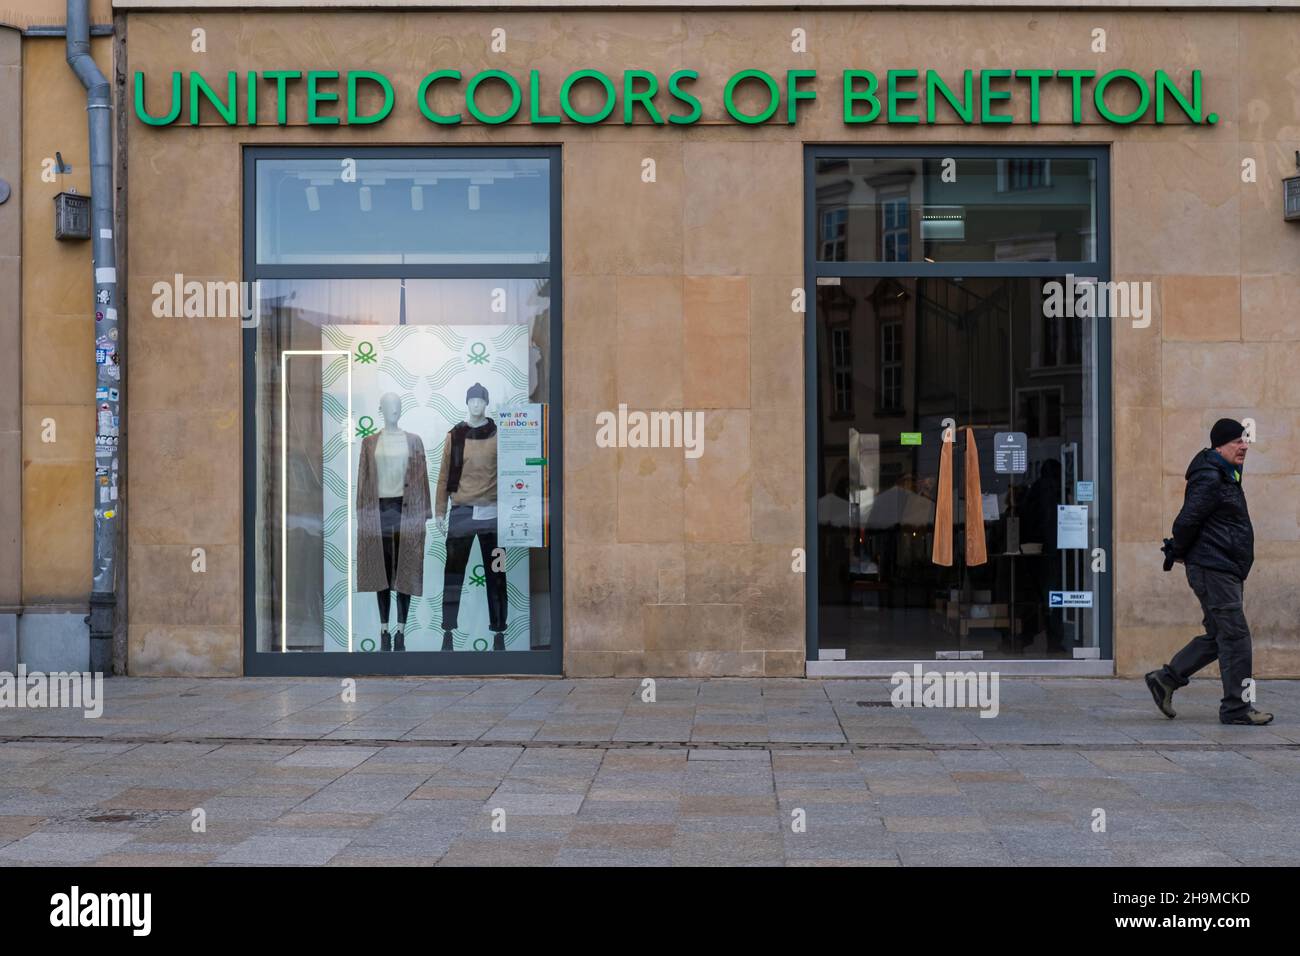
(466, 508)
(392, 511)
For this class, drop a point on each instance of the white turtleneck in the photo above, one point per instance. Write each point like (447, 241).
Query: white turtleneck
(390, 459)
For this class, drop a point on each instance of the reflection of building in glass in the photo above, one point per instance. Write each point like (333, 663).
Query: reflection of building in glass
(956, 210)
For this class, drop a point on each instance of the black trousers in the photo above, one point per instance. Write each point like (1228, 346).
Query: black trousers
(1226, 638)
(390, 524)
(461, 531)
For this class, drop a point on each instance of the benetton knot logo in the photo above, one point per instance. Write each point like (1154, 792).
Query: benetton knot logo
(366, 353)
(478, 354)
(365, 426)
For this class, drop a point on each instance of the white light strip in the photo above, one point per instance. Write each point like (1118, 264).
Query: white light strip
(284, 489)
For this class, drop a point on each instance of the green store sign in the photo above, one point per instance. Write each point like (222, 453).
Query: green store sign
(898, 97)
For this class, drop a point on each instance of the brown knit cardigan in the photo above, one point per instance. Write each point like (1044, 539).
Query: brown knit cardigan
(408, 576)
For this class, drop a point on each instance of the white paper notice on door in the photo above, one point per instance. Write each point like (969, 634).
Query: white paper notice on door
(1071, 526)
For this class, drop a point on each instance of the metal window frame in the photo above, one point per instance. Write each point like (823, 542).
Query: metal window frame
(409, 663)
(815, 270)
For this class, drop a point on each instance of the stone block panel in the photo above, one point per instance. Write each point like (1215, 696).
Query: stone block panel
(168, 650)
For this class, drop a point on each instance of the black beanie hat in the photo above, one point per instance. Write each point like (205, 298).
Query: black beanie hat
(478, 391)
(1224, 431)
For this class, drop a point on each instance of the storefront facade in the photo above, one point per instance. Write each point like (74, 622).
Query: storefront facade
(852, 303)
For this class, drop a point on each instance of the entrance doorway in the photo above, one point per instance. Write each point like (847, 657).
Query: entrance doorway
(957, 495)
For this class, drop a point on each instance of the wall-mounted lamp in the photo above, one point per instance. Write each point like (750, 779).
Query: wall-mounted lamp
(365, 198)
(313, 199)
(417, 198)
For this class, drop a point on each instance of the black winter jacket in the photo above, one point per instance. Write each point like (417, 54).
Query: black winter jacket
(1213, 528)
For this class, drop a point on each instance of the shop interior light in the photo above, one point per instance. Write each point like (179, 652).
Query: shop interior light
(417, 198)
(473, 197)
(365, 198)
(939, 223)
(313, 199)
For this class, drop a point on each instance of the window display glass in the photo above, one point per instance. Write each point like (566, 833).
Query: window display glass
(397, 209)
(402, 491)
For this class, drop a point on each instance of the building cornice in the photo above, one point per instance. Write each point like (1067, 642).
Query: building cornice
(1110, 6)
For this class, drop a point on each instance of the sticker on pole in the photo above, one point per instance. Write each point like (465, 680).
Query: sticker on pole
(1069, 598)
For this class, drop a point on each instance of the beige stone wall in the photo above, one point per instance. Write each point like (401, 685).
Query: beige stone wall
(677, 295)
(58, 348)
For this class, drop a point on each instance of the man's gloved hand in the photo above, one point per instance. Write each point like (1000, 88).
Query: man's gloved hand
(1168, 549)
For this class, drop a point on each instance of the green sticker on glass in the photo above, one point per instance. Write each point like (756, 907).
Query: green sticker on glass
(534, 461)
(909, 438)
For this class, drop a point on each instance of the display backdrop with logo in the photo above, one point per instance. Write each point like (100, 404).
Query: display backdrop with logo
(430, 367)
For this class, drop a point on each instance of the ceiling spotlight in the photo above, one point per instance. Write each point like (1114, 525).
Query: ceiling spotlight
(473, 197)
(417, 198)
(365, 199)
(313, 199)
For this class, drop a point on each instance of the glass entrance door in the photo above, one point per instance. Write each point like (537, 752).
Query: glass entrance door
(958, 432)
(957, 402)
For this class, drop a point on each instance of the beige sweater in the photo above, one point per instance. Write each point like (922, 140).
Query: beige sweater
(478, 476)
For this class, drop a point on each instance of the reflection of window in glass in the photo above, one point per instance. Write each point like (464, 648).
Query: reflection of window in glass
(1002, 209)
(1015, 174)
(895, 222)
(1057, 341)
(891, 366)
(834, 243)
(842, 370)
(1038, 411)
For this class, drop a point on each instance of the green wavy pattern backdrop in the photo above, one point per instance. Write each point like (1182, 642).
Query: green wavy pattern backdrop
(430, 367)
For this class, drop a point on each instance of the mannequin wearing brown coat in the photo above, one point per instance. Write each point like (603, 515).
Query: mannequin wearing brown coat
(391, 531)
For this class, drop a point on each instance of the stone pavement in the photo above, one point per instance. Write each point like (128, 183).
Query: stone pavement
(582, 772)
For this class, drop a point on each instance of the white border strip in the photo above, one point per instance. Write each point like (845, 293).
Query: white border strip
(284, 489)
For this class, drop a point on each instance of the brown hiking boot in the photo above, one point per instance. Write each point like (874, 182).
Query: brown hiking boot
(1251, 718)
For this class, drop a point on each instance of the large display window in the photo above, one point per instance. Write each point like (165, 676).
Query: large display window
(401, 413)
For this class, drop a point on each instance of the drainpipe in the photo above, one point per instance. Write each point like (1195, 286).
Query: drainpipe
(108, 381)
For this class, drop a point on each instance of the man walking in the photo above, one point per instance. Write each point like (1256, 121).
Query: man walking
(1213, 538)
